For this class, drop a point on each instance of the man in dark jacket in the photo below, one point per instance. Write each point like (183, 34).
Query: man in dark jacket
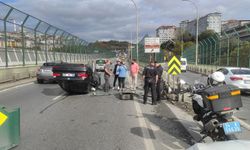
(116, 74)
(150, 78)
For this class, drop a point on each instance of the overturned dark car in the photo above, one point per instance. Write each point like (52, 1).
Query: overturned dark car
(75, 78)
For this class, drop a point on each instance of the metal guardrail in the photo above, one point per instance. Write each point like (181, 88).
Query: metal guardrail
(25, 39)
(15, 57)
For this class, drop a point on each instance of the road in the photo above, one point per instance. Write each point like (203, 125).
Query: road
(243, 113)
(51, 119)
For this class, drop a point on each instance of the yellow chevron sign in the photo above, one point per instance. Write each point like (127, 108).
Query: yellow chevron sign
(174, 66)
(3, 118)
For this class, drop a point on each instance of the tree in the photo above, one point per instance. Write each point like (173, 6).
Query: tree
(186, 36)
(206, 34)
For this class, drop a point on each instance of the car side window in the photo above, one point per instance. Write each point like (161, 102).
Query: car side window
(223, 70)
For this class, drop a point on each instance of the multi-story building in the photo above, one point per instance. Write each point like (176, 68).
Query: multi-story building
(166, 33)
(211, 21)
(229, 24)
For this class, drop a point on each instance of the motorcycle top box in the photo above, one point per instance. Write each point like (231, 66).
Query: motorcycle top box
(222, 98)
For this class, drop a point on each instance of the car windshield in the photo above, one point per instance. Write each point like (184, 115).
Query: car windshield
(99, 62)
(183, 62)
(241, 71)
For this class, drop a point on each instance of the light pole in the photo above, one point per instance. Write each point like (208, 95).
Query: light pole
(137, 29)
(197, 30)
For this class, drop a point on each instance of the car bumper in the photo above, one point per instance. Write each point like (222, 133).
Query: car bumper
(74, 85)
(243, 86)
(44, 77)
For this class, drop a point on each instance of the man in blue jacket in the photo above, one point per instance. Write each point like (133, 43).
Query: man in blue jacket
(122, 74)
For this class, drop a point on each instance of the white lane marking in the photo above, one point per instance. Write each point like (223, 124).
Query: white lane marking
(15, 87)
(147, 141)
(167, 146)
(59, 96)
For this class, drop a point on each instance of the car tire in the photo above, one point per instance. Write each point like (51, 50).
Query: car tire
(40, 81)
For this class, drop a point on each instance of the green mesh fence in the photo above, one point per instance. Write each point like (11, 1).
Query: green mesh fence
(231, 48)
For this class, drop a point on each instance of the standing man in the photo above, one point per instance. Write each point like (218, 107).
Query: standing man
(150, 78)
(159, 70)
(134, 69)
(107, 74)
(116, 74)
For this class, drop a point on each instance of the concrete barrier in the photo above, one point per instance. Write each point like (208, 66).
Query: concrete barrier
(202, 69)
(17, 73)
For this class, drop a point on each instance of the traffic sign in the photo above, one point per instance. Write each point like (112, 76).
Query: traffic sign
(3, 118)
(174, 66)
(152, 45)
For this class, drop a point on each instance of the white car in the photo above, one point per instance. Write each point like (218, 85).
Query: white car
(183, 64)
(239, 77)
(99, 65)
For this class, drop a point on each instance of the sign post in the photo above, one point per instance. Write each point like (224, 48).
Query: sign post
(152, 46)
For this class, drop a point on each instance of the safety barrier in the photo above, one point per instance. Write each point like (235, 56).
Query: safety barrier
(9, 127)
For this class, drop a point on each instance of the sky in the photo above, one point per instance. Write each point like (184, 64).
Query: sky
(94, 20)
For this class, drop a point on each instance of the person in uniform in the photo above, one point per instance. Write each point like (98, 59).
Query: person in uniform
(150, 78)
(159, 70)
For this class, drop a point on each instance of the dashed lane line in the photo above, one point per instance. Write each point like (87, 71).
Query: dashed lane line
(63, 95)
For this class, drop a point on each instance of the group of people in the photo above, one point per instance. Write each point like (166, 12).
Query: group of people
(151, 75)
(120, 72)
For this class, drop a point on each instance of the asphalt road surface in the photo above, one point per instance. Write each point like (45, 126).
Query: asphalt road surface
(53, 120)
(243, 113)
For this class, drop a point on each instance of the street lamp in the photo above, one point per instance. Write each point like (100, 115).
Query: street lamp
(137, 30)
(197, 30)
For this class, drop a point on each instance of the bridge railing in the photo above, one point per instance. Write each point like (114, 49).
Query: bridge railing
(25, 40)
(231, 48)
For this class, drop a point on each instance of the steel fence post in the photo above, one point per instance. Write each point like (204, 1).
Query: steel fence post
(202, 52)
(215, 50)
(5, 37)
(61, 46)
(238, 47)
(46, 44)
(206, 54)
(36, 46)
(66, 45)
(23, 37)
(210, 51)
(54, 56)
(228, 50)
(219, 54)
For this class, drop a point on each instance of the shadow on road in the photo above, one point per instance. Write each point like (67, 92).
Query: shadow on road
(52, 91)
(168, 122)
(139, 132)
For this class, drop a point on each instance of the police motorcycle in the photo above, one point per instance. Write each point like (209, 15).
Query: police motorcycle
(214, 105)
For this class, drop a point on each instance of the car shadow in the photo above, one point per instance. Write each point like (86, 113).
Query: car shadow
(52, 91)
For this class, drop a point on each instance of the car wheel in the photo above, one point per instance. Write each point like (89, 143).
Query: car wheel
(40, 81)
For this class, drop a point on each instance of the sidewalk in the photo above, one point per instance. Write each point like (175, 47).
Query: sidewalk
(16, 83)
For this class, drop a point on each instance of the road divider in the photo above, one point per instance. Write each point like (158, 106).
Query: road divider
(9, 127)
(17, 73)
